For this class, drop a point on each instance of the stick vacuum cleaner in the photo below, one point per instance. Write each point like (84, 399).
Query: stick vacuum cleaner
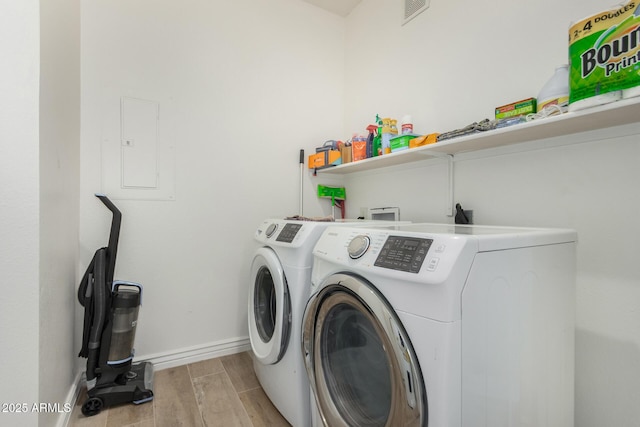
(110, 317)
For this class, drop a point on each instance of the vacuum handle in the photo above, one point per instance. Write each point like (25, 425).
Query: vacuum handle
(114, 235)
(108, 203)
(117, 283)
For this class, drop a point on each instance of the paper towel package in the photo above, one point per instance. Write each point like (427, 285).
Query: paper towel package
(604, 54)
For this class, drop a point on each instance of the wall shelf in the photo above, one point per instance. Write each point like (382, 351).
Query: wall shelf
(614, 114)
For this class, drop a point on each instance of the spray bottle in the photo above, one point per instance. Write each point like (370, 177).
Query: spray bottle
(377, 140)
(372, 132)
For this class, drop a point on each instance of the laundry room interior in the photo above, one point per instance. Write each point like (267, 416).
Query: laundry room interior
(238, 89)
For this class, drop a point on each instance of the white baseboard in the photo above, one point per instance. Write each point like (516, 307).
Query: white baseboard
(196, 354)
(72, 397)
(167, 360)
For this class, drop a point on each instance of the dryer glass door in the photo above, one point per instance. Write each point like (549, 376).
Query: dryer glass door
(356, 367)
(269, 308)
(361, 365)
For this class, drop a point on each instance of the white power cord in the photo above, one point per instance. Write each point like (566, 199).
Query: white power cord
(548, 111)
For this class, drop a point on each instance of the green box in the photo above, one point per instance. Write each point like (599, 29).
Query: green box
(401, 142)
(519, 108)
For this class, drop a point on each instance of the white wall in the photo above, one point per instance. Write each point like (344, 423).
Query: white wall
(454, 63)
(39, 171)
(242, 86)
(59, 202)
(448, 69)
(19, 204)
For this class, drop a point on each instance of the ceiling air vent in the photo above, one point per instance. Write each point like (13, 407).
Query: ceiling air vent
(413, 8)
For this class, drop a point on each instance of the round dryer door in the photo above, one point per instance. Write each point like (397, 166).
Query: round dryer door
(361, 365)
(269, 308)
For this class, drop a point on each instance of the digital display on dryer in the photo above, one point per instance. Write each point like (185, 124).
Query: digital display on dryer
(403, 253)
(288, 232)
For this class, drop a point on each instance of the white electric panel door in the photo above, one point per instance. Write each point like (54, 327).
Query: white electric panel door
(137, 151)
(139, 143)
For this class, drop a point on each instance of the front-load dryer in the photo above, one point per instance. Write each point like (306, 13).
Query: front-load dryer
(441, 326)
(279, 289)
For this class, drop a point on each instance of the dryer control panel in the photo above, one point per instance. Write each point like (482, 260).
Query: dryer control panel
(285, 233)
(288, 232)
(394, 252)
(403, 253)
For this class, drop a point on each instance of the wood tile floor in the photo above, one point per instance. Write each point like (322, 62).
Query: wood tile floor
(221, 392)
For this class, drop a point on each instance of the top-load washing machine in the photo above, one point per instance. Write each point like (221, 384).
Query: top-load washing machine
(442, 326)
(280, 284)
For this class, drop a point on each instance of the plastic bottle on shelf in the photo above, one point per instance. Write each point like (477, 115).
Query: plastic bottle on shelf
(386, 135)
(377, 140)
(556, 90)
(372, 134)
(407, 125)
(394, 127)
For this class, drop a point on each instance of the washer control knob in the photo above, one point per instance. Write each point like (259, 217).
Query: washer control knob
(358, 246)
(271, 229)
